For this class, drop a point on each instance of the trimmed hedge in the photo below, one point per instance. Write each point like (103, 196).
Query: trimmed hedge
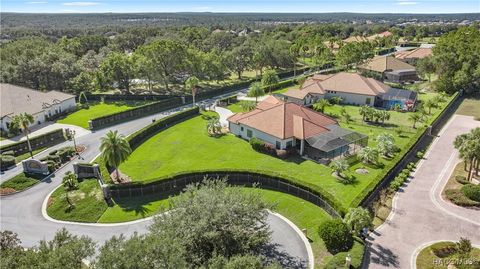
(152, 129)
(134, 113)
(336, 235)
(6, 161)
(47, 139)
(356, 253)
(472, 192)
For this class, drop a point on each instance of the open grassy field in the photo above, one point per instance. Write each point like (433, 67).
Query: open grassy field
(188, 142)
(82, 116)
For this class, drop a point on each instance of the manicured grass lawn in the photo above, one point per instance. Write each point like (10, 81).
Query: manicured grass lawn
(82, 116)
(188, 143)
(22, 181)
(427, 259)
(88, 201)
(452, 190)
(470, 107)
(235, 108)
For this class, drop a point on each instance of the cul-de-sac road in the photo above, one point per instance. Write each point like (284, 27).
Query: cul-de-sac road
(420, 215)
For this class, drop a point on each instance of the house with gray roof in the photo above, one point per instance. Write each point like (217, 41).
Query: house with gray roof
(42, 106)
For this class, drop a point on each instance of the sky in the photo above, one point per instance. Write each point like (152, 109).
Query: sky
(283, 6)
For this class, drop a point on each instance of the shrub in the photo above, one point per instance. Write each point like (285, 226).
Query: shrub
(336, 235)
(472, 192)
(406, 171)
(257, 144)
(420, 154)
(462, 180)
(411, 166)
(356, 253)
(51, 166)
(55, 158)
(64, 155)
(396, 185)
(457, 197)
(6, 161)
(8, 152)
(53, 152)
(444, 250)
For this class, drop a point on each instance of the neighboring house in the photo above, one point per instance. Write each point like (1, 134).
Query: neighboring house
(391, 69)
(353, 88)
(287, 125)
(412, 56)
(41, 105)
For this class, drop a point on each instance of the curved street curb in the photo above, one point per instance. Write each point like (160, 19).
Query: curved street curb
(413, 258)
(302, 236)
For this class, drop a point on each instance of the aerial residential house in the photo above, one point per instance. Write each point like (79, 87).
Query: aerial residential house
(41, 105)
(288, 125)
(391, 69)
(353, 88)
(412, 56)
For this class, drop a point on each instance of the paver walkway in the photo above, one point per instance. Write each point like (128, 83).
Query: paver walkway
(420, 215)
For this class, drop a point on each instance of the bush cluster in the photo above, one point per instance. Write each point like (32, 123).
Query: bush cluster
(356, 253)
(472, 192)
(269, 149)
(462, 180)
(397, 183)
(420, 154)
(56, 158)
(457, 197)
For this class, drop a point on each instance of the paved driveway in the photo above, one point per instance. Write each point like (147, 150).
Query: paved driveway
(224, 114)
(22, 212)
(420, 215)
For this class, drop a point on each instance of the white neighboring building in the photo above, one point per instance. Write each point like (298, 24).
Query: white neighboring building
(41, 105)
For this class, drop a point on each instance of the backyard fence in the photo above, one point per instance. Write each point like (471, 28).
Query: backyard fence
(45, 140)
(421, 144)
(174, 185)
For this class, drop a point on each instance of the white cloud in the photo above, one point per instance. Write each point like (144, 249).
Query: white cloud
(406, 2)
(81, 4)
(37, 2)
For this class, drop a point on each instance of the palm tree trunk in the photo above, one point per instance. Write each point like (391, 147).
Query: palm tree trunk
(118, 175)
(29, 145)
(470, 171)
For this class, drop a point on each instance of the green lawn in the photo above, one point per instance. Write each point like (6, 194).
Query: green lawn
(188, 143)
(82, 116)
(88, 202)
(22, 181)
(427, 259)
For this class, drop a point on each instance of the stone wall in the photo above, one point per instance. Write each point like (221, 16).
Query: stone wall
(46, 140)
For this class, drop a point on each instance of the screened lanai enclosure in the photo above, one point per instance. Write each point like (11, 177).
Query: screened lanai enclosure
(336, 143)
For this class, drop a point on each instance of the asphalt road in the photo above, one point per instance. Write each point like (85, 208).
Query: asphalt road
(22, 212)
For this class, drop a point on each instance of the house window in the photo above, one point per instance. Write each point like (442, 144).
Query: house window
(278, 144)
(249, 133)
(241, 128)
(289, 144)
(368, 101)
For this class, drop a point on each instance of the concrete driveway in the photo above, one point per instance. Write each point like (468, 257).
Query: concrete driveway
(224, 114)
(420, 215)
(22, 212)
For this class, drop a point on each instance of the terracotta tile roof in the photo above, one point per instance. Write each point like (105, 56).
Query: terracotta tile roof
(384, 63)
(418, 53)
(269, 102)
(354, 83)
(357, 38)
(380, 35)
(285, 120)
(15, 99)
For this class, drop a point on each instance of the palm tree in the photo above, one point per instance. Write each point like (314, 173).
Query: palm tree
(415, 117)
(22, 121)
(214, 126)
(430, 104)
(256, 91)
(384, 115)
(468, 146)
(364, 111)
(320, 105)
(191, 84)
(339, 166)
(386, 144)
(115, 150)
(368, 155)
(69, 182)
(247, 105)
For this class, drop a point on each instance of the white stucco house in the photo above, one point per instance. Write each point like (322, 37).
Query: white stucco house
(41, 105)
(353, 88)
(287, 125)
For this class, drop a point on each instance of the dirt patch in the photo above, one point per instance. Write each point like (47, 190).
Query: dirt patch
(50, 201)
(80, 148)
(4, 191)
(123, 178)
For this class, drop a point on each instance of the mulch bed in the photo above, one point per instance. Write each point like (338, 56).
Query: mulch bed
(4, 191)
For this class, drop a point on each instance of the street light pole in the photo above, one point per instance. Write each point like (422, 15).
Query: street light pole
(72, 133)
